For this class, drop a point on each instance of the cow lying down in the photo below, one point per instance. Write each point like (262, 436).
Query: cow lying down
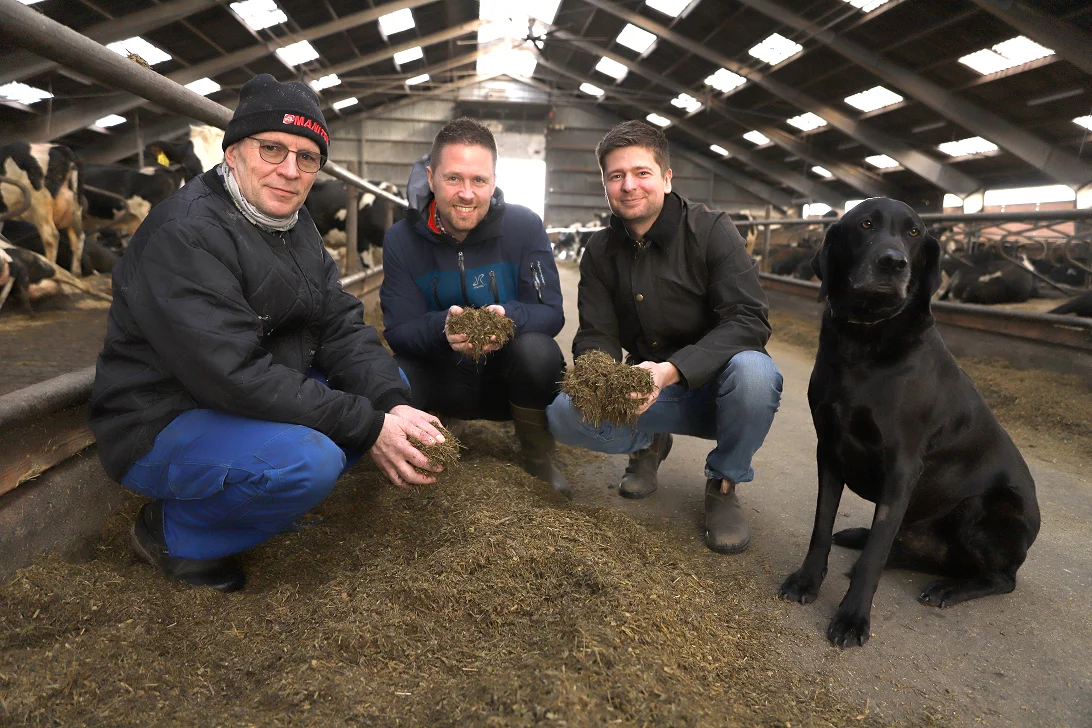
(902, 426)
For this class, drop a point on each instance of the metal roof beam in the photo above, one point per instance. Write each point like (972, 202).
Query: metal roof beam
(1053, 161)
(942, 175)
(756, 187)
(22, 64)
(1067, 40)
(415, 97)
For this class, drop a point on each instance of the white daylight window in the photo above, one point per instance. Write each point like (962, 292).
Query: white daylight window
(807, 121)
(23, 93)
(203, 86)
(30, 2)
(850, 204)
(822, 171)
(408, 56)
(951, 200)
(327, 81)
(1030, 195)
(756, 137)
(395, 22)
(881, 161)
(866, 5)
(346, 103)
(967, 147)
(724, 80)
(417, 79)
(1085, 121)
(874, 98)
(816, 209)
(591, 90)
(297, 53)
(259, 14)
(719, 149)
(510, 19)
(669, 7)
(1009, 54)
(658, 120)
(635, 38)
(108, 121)
(614, 69)
(686, 101)
(513, 61)
(775, 49)
(523, 182)
(142, 48)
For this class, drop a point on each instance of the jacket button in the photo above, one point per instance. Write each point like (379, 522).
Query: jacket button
(640, 297)
(655, 344)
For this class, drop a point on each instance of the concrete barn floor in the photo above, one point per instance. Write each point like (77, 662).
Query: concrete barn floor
(1018, 659)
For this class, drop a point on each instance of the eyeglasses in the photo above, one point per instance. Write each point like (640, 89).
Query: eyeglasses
(275, 153)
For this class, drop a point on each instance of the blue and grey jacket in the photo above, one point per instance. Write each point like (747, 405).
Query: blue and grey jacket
(505, 260)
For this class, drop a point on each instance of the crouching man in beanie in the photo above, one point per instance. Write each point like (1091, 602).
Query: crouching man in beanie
(460, 246)
(670, 281)
(238, 378)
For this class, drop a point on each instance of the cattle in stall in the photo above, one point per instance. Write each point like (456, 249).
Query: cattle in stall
(6, 281)
(199, 153)
(988, 278)
(571, 243)
(29, 276)
(98, 255)
(1079, 306)
(793, 260)
(121, 197)
(327, 204)
(52, 175)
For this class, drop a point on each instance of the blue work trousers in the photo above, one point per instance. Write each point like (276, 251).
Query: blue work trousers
(735, 408)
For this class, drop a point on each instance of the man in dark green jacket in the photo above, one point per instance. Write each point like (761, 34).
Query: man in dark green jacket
(670, 281)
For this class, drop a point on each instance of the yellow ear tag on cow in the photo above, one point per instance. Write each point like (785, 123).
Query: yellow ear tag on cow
(163, 159)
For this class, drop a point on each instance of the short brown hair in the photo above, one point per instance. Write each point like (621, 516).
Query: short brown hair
(462, 131)
(635, 133)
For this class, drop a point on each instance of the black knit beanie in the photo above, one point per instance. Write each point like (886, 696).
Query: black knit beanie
(266, 104)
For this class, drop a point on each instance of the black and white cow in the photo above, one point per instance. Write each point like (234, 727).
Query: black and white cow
(986, 277)
(53, 177)
(198, 153)
(327, 203)
(1079, 306)
(27, 274)
(100, 248)
(121, 197)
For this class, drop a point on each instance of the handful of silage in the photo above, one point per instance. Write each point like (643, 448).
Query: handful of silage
(480, 326)
(600, 388)
(444, 453)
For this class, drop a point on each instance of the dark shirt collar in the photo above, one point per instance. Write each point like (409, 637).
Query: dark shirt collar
(663, 230)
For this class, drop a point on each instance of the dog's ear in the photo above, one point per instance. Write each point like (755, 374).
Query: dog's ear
(820, 262)
(930, 274)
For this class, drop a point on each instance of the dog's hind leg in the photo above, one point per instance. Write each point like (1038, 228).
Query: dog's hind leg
(946, 592)
(852, 538)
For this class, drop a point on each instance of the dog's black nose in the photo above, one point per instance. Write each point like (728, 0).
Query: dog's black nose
(892, 261)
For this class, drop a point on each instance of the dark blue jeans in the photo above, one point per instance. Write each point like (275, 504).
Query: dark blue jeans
(735, 408)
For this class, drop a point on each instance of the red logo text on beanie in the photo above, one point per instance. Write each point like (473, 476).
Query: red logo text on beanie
(297, 120)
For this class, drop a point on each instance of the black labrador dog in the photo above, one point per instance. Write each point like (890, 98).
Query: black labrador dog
(900, 424)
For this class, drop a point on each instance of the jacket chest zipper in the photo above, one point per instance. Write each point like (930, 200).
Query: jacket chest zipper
(493, 286)
(462, 278)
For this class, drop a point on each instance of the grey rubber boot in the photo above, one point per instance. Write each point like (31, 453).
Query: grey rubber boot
(726, 529)
(640, 480)
(537, 447)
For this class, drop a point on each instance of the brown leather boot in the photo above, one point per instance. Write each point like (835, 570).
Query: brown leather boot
(537, 447)
(726, 529)
(640, 478)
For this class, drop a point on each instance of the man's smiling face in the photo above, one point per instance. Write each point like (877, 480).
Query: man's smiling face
(463, 183)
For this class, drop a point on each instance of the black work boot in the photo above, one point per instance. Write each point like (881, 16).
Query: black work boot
(146, 538)
(726, 528)
(537, 447)
(640, 478)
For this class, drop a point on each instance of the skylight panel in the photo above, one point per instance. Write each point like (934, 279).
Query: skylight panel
(775, 49)
(756, 137)
(408, 56)
(544, 10)
(142, 48)
(635, 38)
(297, 53)
(259, 14)
(30, 2)
(23, 93)
(882, 161)
(822, 171)
(874, 98)
(108, 121)
(346, 103)
(866, 5)
(395, 22)
(417, 79)
(591, 90)
(1030, 195)
(1085, 121)
(967, 147)
(512, 61)
(327, 81)
(1008, 54)
(686, 101)
(850, 204)
(807, 121)
(203, 86)
(816, 209)
(658, 120)
(724, 80)
(719, 149)
(669, 7)
(614, 69)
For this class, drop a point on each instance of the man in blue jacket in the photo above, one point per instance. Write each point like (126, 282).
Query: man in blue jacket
(461, 246)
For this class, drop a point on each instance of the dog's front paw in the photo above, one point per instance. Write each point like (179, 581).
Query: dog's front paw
(801, 586)
(848, 629)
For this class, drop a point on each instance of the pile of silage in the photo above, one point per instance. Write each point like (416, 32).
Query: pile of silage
(482, 328)
(600, 388)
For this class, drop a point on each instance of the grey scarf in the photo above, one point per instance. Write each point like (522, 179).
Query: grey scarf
(265, 222)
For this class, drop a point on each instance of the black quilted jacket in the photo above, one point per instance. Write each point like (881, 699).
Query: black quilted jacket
(210, 311)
